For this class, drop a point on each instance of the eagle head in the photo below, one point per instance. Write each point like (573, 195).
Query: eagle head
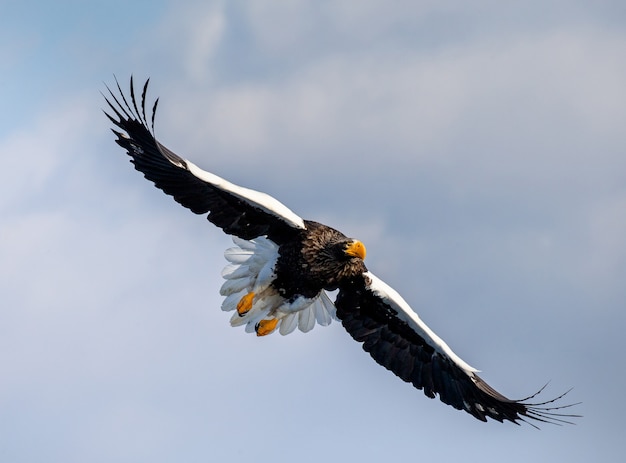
(354, 248)
(340, 259)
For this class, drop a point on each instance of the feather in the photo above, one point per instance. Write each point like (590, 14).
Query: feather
(288, 323)
(237, 255)
(397, 339)
(284, 262)
(234, 286)
(231, 301)
(321, 310)
(232, 272)
(306, 319)
(249, 245)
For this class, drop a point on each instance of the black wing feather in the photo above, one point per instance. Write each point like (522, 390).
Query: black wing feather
(395, 345)
(169, 173)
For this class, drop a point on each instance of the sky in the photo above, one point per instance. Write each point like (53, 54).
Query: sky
(476, 148)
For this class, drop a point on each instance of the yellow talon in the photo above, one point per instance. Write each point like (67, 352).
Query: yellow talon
(245, 304)
(265, 327)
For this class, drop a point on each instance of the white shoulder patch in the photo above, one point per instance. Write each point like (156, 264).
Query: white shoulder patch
(405, 313)
(257, 199)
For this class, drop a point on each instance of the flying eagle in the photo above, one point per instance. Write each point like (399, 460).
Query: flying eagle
(282, 267)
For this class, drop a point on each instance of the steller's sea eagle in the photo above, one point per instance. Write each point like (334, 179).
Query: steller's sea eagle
(282, 266)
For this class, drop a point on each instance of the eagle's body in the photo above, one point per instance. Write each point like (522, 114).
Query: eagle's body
(282, 266)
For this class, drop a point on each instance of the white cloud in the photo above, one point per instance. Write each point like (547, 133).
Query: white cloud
(34, 154)
(281, 27)
(411, 105)
(204, 30)
(510, 122)
(605, 260)
(485, 175)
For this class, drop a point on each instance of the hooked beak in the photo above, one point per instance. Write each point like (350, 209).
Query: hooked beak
(356, 249)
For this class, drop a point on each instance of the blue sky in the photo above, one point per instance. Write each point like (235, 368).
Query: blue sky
(478, 151)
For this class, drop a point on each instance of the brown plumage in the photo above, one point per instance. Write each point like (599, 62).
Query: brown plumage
(282, 265)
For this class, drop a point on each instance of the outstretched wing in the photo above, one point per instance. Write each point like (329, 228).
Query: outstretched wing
(238, 211)
(395, 336)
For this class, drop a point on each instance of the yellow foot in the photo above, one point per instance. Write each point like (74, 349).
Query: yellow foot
(245, 304)
(266, 326)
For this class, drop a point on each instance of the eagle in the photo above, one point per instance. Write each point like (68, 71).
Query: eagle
(283, 268)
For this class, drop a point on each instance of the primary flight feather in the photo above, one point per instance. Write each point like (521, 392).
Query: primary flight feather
(282, 265)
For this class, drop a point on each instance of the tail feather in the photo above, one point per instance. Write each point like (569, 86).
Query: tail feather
(251, 270)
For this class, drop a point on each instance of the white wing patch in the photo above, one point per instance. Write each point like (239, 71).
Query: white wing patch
(261, 200)
(405, 313)
(251, 269)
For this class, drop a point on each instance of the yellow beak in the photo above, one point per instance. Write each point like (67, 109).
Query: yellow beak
(356, 249)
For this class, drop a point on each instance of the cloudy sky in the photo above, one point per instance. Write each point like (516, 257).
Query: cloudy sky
(478, 151)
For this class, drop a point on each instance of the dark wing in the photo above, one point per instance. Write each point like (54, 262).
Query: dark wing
(393, 334)
(238, 211)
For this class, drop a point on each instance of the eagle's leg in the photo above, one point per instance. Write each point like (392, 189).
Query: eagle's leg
(266, 326)
(245, 304)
